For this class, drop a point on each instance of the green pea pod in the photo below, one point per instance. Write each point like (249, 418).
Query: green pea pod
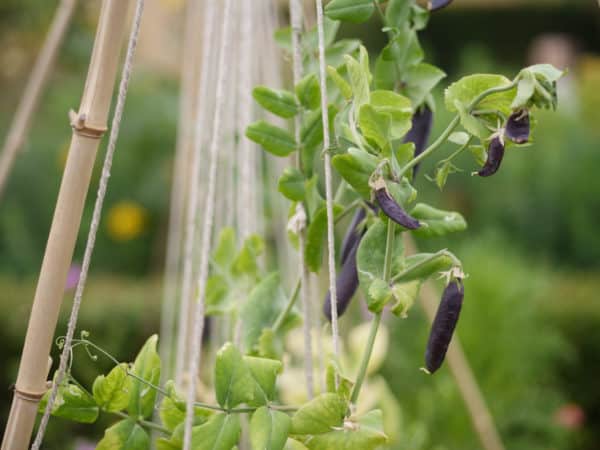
(423, 265)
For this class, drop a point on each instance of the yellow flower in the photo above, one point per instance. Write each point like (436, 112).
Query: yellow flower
(126, 220)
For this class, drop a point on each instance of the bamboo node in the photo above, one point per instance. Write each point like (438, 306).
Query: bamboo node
(33, 397)
(83, 128)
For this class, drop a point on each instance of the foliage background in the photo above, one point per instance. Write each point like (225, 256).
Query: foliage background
(532, 315)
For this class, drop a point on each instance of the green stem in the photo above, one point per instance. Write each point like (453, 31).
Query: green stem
(457, 152)
(143, 423)
(387, 271)
(347, 210)
(279, 321)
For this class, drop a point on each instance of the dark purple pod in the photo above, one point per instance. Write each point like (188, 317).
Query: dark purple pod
(419, 132)
(494, 157)
(394, 211)
(517, 127)
(346, 284)
(353, 235)
(443, 325)
(434, 5)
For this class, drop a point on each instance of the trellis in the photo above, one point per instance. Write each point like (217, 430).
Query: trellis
(187, 255)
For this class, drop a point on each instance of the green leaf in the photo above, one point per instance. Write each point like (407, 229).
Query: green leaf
(479, 153)
(275, 140)
(438, 222)
(355, 11)
(420, 80)
(319, 415)
(374, 126)
(221, 432)
(397, 106)
(311, 132)
(364, 434)
(293, 444)
(146, 367)
(172, 409)
(226, 248)
(315, 237)
(72, 403)
(356, 167)
(112, 392)
(471, 123)
(404, 50)
(245, 262)
(525, 90)
(359, 81)
(397, 13)
(233, 382)
(264, 372)
(370, 260)
(550, 73)
(423, 265)
(465, 90)
(278, 101)
(340, 82)
(405, 295)
(291, 184)
(345, 385)
(309, 92)
(269, 429)
(459, 138)
(125, 435)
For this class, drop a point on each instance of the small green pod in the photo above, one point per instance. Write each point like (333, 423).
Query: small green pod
(423, 265)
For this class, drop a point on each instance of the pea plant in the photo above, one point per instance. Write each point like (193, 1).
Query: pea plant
(380, 114)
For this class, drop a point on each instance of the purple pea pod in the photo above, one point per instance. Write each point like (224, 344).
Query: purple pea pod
(392, 209)
(346, 284)
(443, 325)
(494, 157)
(420, 131)
(517, 127)
(353, 235)
(434, 5)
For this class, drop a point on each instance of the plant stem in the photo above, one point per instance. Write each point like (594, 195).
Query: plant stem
(387, 271)
(143, 423)
(288, 307)
(347, 210)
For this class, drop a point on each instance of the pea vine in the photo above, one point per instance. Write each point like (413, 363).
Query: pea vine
(380, 116)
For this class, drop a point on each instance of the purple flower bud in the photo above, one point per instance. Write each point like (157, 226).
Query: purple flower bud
(494, 157)
(392, 209)
(420, 131)
(346, 284)
(517, 127)
(434, 5)
(352, 235)
(443, 325)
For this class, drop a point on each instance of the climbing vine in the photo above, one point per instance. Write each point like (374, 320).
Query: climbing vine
(380, 112)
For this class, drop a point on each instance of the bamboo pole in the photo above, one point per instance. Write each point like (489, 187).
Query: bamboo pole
(33, 90)
(88, 127)
(480, 415)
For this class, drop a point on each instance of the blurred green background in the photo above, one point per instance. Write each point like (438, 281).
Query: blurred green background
(531, 323)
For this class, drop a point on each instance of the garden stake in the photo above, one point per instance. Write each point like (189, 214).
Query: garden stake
(33, 90)
(88, 127)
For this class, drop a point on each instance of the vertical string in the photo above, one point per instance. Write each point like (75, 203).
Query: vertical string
(91, 240)
(296, 13)
(328, 182)
(193, 200)
(207, 226)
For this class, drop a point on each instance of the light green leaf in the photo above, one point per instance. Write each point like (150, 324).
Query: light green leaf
(311, 133)
(293, 444)
(397, 13)
(125, 435)
(309, 91)
(405, 295)
(334, 54)
(441, 174)
(172, 409)
(470, 123)
(420, 80)
(345, 385)
(264, 372)
(525, 90)
(146, 367)
(359, 81)
(547, 71)
(315, 237)
(112, 392)
(72, 403)
(479, 153)
(246, 262)
(356, 167)
(379, 295)
(319, 415)
(233, 382)
(355, 11)
(365, 434)
(439, 222)
(278, 101)
(375, 126)
(275, 140)
(291, 184)
(465, 90)
(269, 429)
(459, 138)
(226, 248)
(397, 106)
(340, 82)
(221, 432)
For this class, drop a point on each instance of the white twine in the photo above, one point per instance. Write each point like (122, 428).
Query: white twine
(328, 182)
(91, 240)
(207, 226)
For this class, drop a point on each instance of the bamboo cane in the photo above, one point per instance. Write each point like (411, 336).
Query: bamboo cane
(88, 127)
(482, 419)
(33, 90)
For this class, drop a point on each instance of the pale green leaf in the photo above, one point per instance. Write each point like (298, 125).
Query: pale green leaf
(274, 140)
(72, 403)
(397, 106)
(420, 80)
(438, 222)
(147, 367)
(112, 392)
(125, 435)
(340, 82)
(359, 81)
(269, 429)
(309, 91)
(264, 372)
(465, 90)
(423, 265)
(315, 237)
(319, 415)
(355, 11)
(221, 432)
(405, 295)
(278, 101)
(356, 167)
(233, 382)
(374, 126)
(291, 184)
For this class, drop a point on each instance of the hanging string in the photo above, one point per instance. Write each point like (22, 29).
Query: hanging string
(193, 200)
(209, 211)
(296, 14)
(91, 240)
(328, 182)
